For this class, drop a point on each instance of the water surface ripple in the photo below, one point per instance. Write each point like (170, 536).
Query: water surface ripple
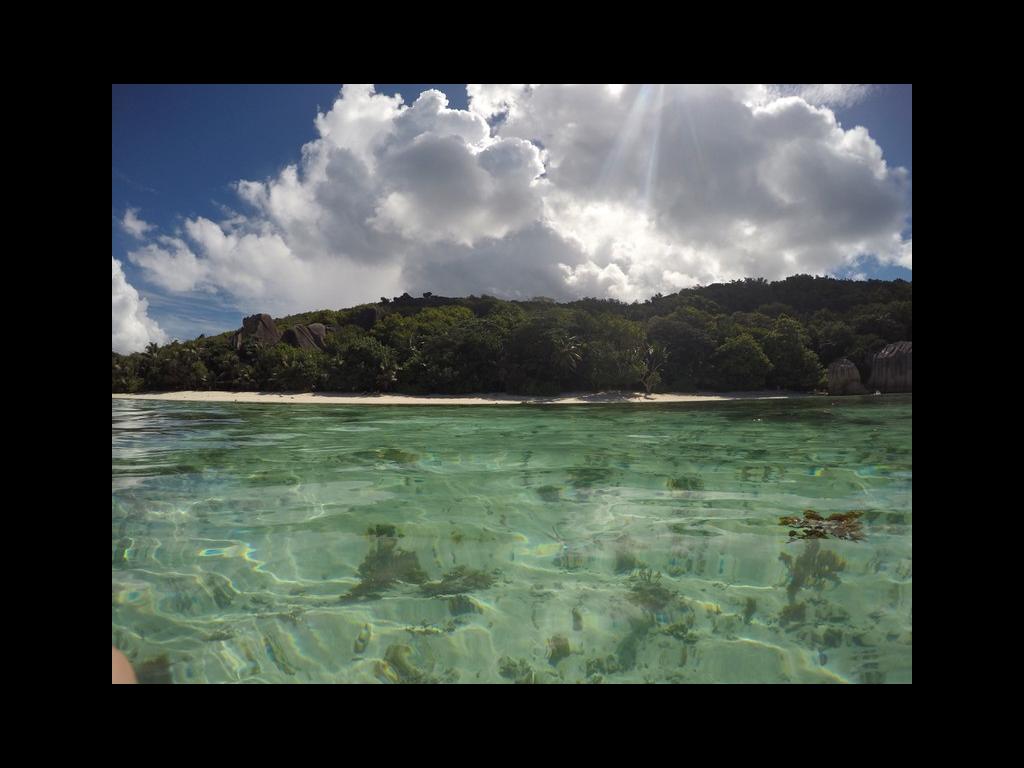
(593, 543)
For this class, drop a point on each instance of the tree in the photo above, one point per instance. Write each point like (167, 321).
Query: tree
(738, 335)
(364, 365)
(653, 358)
(794, 365)
(125, 373)
(687, 348)
(566, 353)
(831, 340)
(739, 364)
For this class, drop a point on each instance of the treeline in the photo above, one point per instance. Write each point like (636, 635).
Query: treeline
(747, 334)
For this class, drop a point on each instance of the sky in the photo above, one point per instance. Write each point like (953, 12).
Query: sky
(232, 200)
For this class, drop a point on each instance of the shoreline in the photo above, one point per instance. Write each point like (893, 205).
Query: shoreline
(347, 398)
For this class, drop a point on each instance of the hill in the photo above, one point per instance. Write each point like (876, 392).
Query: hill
(743, 335)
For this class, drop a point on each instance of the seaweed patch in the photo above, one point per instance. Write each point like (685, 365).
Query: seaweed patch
(385, 564)
(840, 525)
(458, 581)
(646, 590)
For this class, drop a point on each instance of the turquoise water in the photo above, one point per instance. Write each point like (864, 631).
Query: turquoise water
(593, 543)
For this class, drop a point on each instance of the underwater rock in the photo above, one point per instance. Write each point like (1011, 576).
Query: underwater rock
(749, 608)
(397, 656)
(598, 666)
(459, 580)
(385, 672)
(571, 558)
(844, 378)
(550, 492)
(276, 655)
(694, 483)
(832, 638)
(431, 629)
(155, 671)
(680, 630)
(625, 561)
(519, 671)
(461, 604)
(362, 639)
(558, 649)
(577, 619)
(794, 613)
(831, 613)
(625, 654)
(398, 664)
(840, 525)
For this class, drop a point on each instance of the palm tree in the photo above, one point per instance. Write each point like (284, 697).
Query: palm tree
(566, 353)
(652, 359)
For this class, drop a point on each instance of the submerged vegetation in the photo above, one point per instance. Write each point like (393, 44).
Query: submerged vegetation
(385, 565)
(741, 335)
(814, 568)
(840, 525)
(458, 581)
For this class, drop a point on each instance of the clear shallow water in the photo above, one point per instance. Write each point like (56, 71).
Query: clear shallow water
(308, 543)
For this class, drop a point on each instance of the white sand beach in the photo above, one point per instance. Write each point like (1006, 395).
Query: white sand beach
(346, 398)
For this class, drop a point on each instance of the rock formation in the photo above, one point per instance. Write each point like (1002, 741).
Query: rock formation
(260, 327)
(319, 331)
(844, 378)
(366, 317)
(306, 336)
(892, 368)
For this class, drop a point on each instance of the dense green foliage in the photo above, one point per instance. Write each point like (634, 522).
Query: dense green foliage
(747, 334)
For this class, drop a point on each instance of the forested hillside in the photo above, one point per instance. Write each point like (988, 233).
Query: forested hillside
(742, 335)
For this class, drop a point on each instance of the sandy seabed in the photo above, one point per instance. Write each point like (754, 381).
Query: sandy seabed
(344, 398)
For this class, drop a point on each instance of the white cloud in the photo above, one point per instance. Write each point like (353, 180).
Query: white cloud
(438, 189)
(489, 100)
(131, 329)
(825, 94)
(693, 181)
(360, 121)
(135, 226)
(171, 265)
(560, 191)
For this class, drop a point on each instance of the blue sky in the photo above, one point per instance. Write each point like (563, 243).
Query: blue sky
(505, 194)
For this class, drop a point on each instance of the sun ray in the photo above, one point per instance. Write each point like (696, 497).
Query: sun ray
(653, 158)
(615, 164)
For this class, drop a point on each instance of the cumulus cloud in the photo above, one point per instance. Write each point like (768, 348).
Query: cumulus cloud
(133, 225)
(825, 94)
(490, 100)
(675, 185)
(561, 191)
(131, 329)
